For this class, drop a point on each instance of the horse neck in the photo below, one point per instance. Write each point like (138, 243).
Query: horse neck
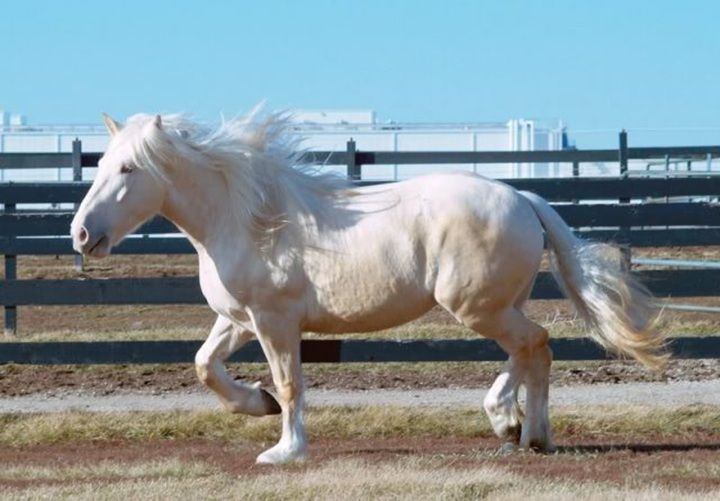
(197, 202)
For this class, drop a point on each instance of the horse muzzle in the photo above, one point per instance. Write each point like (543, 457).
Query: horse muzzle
(90, 243)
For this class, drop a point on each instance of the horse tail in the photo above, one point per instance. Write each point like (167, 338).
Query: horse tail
(619, 311)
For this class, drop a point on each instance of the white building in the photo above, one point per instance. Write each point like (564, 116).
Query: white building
(329, 131)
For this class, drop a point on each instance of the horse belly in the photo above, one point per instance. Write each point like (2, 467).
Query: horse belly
(371, 290)
(357, 314)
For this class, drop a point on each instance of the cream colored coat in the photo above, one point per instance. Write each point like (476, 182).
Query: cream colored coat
(278, 256)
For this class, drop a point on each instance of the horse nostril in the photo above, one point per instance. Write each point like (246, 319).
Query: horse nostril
(83, 235)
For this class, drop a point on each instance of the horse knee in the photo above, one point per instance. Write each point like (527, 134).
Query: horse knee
(202, 368)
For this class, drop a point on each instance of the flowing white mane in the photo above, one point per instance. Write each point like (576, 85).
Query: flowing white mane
(271, 189)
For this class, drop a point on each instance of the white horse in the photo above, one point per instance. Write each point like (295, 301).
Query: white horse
(282, 251)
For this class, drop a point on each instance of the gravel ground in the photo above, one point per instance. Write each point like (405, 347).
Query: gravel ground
(665, 395)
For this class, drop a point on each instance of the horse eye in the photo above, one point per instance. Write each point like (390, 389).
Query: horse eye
(126, 169)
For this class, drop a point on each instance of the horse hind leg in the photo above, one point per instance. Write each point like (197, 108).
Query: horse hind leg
(226, 338)
(501, 402)
(536, 431)
(537, 379)
(530, 357)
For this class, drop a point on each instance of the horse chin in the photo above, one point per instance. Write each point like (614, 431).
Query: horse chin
(101, 249)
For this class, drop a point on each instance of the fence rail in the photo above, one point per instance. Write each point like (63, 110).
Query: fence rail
(26, 224)
(323, 351)
(552, 189)
(621, 209)
(359, 158)
(186, 290)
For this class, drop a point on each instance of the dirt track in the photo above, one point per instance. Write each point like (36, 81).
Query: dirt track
(16, 380)
(677, 462)
(661, 395)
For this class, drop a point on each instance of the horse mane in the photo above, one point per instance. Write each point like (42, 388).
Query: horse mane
(273, 193)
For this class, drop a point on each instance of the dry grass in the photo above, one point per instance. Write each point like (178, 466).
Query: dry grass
(472, 475)
(152, 334)
(18, 430)
(687, 469)
(350, 479)
(106, 470)
(558, 329)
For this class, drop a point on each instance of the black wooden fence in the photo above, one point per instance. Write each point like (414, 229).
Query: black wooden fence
(609, 216)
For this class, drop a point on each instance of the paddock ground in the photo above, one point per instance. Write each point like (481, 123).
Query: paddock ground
(18, 380)
(391, 453)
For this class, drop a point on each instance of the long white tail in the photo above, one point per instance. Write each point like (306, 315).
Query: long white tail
(618, 309)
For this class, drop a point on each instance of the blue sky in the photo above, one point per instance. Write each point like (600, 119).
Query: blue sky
(596, 65)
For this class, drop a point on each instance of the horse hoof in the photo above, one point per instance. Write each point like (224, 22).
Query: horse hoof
(271, 404)
(281, 455)
(508, 448)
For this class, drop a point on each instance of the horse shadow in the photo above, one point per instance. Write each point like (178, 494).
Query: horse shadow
(636, 448)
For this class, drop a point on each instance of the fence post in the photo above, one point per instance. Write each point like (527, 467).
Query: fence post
(10, 274)
(353, 169)
(623, 154)
(77, 176)
(624, 230)
(575, 173)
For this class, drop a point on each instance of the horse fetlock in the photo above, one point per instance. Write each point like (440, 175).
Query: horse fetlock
(505, 406)
(507, 427)
(257, 403)
(270, 403)
(537, 438)
(505, 417)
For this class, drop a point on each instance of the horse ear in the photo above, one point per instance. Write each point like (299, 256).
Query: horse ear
(157, 121)
(112, 126)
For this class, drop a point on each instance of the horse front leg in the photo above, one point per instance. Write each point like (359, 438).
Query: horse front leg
(225, 339)
(281, 344)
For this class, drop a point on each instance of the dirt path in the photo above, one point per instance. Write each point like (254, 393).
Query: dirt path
(663, 395)
(18, 380)
(680, 463)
